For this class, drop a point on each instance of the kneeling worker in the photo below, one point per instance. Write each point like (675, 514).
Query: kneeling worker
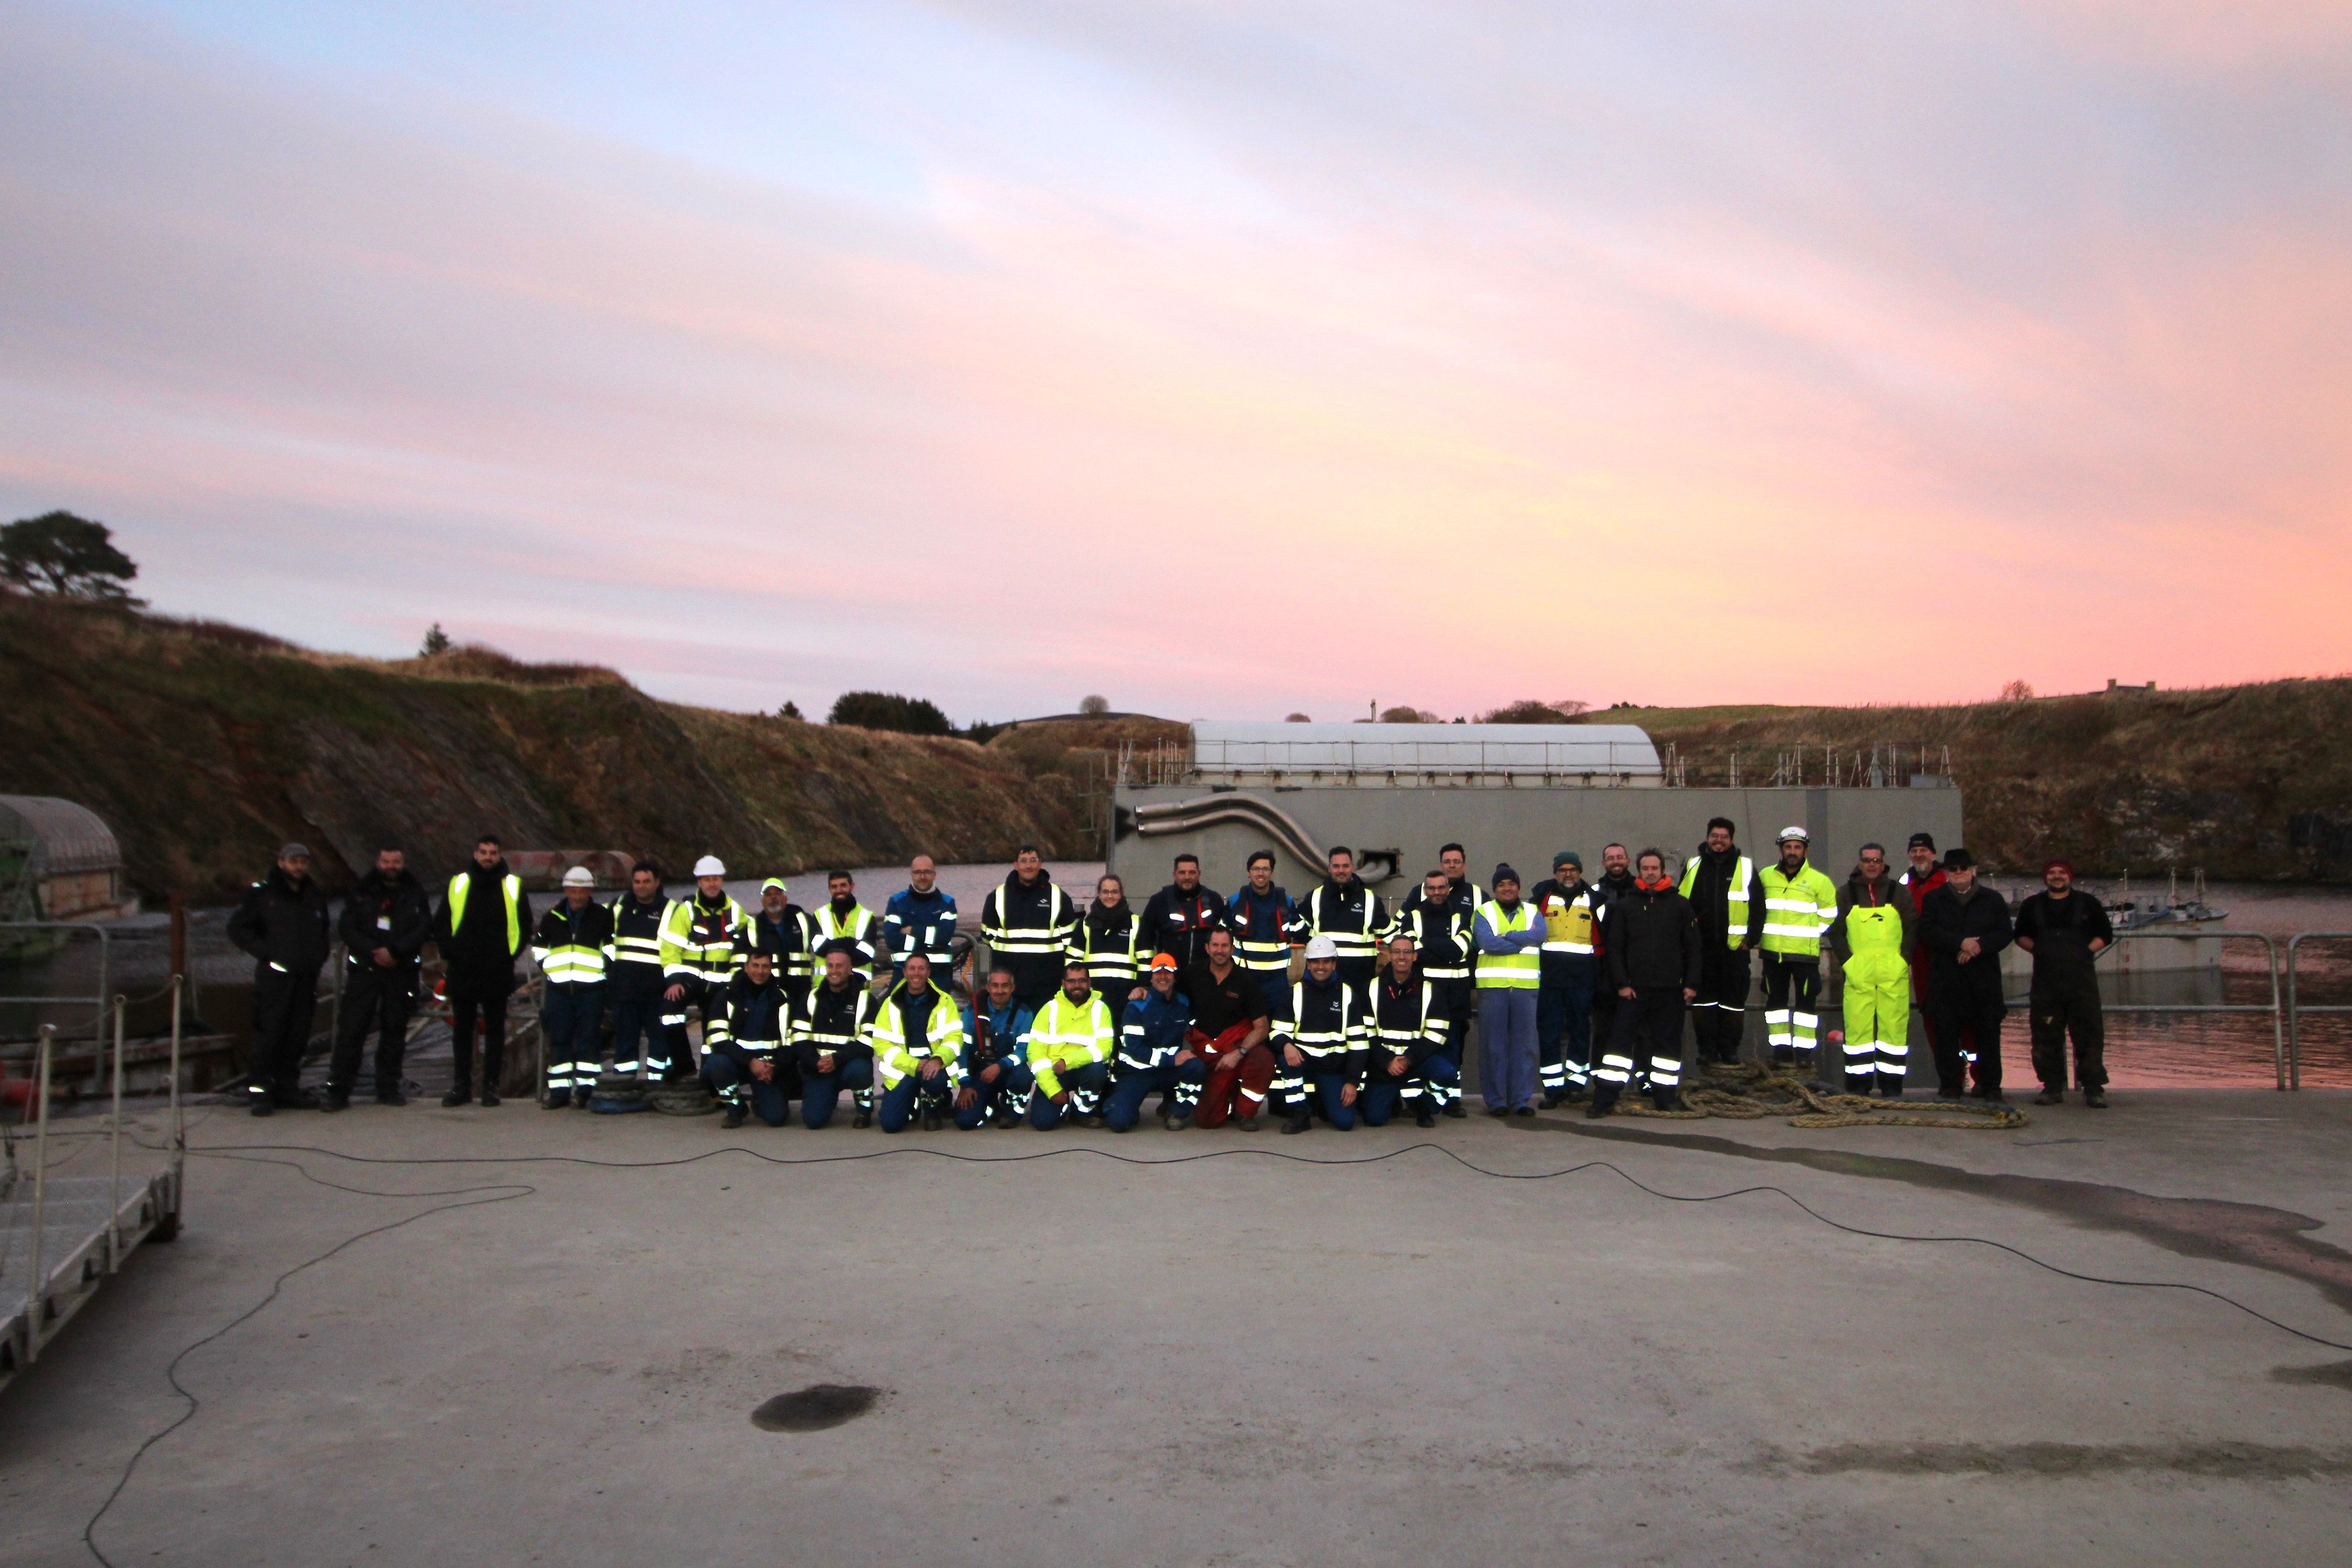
(1408, 1058)
(995, 1056)
(744, 1041)
(1230, 1014)
(1320, 1043)
(1070, 1046)
(833, 1041)
(1655, 957)
(1156, 1055)
(918, 1047)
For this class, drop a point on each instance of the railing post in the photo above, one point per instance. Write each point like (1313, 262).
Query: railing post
(179, 1130)
(114, 1152)
(36, 1300)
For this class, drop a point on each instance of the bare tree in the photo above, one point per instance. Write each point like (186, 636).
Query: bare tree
(2017, 691)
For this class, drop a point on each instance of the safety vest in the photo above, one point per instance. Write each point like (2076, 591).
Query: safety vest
(836, 1021)
(637, 930)
(700, 942)
(1322, 1038)
(898, 1057)
(462, 883)
(1113, 956)
(1569, 923)
(1797, 910)
(1264, 930)
(1743, 875)
(1356, 922)
(1518, 971)
(1398, 1022)
(853, 928)
(572, 948)
(1441, 933)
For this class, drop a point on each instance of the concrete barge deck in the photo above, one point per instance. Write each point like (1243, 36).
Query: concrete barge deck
(1234, 1360)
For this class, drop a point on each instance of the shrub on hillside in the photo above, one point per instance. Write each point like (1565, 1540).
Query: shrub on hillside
(888, 710)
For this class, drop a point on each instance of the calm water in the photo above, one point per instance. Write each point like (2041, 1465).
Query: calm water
(2144, 1048)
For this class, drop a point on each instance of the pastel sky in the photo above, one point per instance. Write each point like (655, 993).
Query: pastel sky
(1224, 358)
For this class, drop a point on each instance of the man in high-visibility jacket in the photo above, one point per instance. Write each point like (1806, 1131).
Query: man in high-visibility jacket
(1070, 1045)
(1353, 917)
(1511, 970)
(1027, 922)
(1440, 927)
(1266, 927)
(573, 950)
(1406, 1034)
(1318, 1039)
(1801, 904)
(787, 934)
(1873, 937)
(700, 953)
(1570, 911)
(833, 1041)
(841, 918)
(637, 977)
(481, 929)
(1719, 884)
(917, 1048)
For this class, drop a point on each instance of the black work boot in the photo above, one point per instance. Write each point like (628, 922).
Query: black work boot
(732, 1119)
(2095, 1099)
(1424, 1117)
(457, 1097)
(337, 1100)
(1297, 1122)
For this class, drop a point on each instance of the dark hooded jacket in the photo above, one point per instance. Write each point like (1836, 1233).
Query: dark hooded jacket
(283, 925)
(389, 913)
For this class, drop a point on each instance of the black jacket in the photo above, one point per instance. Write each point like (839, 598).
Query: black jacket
(846, 1013)
(1654, 941)
(752, 1021)
(2062, 931)
(1180, 923)
(1710, 895)
(283, 925)
(1946, 920)
(1401, 1010)
(386, 912)
(479, 948)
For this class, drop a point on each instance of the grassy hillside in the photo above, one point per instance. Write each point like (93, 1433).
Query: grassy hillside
(2247, 782)
(206, 746)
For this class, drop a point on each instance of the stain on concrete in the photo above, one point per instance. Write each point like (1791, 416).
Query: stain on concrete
(2254, 1236)
(816, 1408)
(2060, 1461)
(2332, 1375)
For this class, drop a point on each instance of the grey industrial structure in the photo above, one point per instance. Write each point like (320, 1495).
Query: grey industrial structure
(1507, 792)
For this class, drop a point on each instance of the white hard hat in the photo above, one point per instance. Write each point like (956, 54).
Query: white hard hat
(710, 866)
(579, 877)
(1322, 947)
(1798, 834)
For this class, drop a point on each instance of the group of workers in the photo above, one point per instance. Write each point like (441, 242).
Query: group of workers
(1580, 988)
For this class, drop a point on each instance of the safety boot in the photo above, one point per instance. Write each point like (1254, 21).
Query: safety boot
(490, 1097)
(865, 1117)
(2095, 1099)
(1454, 1109)
(732, 1119)
(1424, 1117)
(2049, 1096)
(456, 1098)
(1297, 1122)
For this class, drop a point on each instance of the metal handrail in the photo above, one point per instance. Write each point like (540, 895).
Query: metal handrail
(96, 1000)
(2277, 1008)
(2295, 1009)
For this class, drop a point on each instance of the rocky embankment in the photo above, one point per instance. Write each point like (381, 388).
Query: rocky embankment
(206, 746)
(2248, 783)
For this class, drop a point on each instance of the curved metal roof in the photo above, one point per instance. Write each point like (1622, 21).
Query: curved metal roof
(68, 837)
(1220, 747)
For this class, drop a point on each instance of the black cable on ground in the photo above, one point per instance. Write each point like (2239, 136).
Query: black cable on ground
(1272, 1154)
(259, 1154)
(506, 1191)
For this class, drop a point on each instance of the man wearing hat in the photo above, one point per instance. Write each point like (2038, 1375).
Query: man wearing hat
(699, 953)
(1318, 1041)
(1964, 925)
(480, 929)
(1799, 907)
(573, 950)
(1570, 909)
(2065, 931)
(1510, 938)
(1725, 891)
(282, 924)
(1155, 1054)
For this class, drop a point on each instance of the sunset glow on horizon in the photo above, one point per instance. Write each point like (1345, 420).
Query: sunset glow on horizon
(1225, 359)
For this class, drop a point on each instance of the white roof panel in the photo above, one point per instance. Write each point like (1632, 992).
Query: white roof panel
(1227, 747)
